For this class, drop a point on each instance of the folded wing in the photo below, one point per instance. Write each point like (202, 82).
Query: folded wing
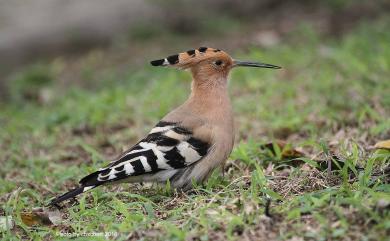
(168, 146)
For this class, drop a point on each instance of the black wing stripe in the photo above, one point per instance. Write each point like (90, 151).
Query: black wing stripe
(200, 146)
(105, 172)
(121, 175)
(151, 158)
(181, 131)
(148, 154)
(127, 157)
(119, 168)
(167, 141)
(138, 167)
(167, 147)
(161, 140)
(175, 159)
(136, 147)
(105, 178)
(165, 123)
(153, 153)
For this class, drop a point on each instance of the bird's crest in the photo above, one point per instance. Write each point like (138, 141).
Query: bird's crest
(191, 57)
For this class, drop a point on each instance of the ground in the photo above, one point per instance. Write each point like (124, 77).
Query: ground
(330, 102)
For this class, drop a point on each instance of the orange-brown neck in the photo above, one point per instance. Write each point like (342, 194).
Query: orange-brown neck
(210, 98)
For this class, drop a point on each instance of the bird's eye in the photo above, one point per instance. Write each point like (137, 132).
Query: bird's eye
(218, 62)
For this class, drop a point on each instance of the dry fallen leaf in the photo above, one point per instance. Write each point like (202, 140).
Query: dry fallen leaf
(383, 145)
(288, 152)
(41, 216)
(291, 153)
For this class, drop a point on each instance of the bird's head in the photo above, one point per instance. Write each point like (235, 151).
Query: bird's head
(207, 63)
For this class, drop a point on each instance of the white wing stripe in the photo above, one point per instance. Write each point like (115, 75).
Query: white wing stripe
(173, 134)
(189, 154)
(135, 151)
(129, 169)
(145, 163)
(161, 161)
(160, 129)
(164, 157)
(88, 188)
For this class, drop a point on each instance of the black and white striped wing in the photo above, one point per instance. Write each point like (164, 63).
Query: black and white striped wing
(168, 146)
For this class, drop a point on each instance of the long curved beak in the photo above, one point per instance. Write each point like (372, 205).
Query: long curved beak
(254, 64)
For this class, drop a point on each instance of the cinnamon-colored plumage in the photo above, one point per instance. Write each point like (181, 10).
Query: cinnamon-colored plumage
(190, 141)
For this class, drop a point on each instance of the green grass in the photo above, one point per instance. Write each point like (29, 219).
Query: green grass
(332, 97)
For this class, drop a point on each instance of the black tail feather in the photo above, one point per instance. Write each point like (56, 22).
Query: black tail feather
(70, 194)
(90, 180)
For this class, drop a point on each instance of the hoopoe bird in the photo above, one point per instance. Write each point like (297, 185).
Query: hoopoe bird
(190, 141)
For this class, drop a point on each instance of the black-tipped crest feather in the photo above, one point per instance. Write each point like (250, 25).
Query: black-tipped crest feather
(157, 62)
(202, 49)
(173, 59)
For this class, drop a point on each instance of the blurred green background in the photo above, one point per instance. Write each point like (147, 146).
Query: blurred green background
(76, 89)
(83, 39)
